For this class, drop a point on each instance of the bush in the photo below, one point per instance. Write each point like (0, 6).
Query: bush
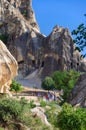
(52, 113)
(43, 103)
(16, 87)
(31, 104)
(60, 79)
(71, 118)
(12, 111)
(65, 80)
(48, 83)
(16, 115)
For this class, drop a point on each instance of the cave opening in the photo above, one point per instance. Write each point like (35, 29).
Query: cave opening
(77, 64)
(21, 62)
(42, 65)
(71, 65)
(33, 62)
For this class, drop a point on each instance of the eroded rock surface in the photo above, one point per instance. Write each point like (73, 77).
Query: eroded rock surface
(32, 50)
(23, 38)
(60, 53)
(8, 68)
(37, 55)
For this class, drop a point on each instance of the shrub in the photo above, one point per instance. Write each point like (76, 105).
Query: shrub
(12, 111)
(65, 80)
(60, 79)
(16, 115)
(16, 87)
(43, 103)
(48, 83)
(31, 104)
(71, 118)
(52, 113)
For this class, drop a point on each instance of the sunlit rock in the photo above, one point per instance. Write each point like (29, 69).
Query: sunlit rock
(8, 68)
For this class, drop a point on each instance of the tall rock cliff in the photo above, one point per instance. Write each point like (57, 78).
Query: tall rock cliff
(32, 50)
(60, 53)
(19, 27)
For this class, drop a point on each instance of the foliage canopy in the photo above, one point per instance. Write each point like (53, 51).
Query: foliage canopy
(48, 83)
(80, 36)
(65, 80)
(71, 118)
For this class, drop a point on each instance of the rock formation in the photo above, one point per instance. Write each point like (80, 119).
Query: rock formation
(32, 50)
(37, 56)
(78, 94)
(23, 38)
(60, 53)
(8, 68)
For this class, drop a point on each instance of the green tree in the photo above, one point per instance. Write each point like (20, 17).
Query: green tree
(65, 80)
(16, 87)
(48, 83)
(71, 118)
(80, 36)
(60, 78)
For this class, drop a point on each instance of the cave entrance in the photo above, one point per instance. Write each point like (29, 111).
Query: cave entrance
(33, 62)
(20, 65)
(71, 65)
(42, 65)
(77, 64)
(21, 62)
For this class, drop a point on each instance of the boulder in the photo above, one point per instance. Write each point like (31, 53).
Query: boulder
(8, 68)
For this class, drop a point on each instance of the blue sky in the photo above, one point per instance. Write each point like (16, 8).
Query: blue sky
(66, 13)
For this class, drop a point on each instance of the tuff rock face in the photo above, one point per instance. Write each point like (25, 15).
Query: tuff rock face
(32, 50)
(8, 68)
(19, 26)
(78, 94)
(37, 56)
(60, 53)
